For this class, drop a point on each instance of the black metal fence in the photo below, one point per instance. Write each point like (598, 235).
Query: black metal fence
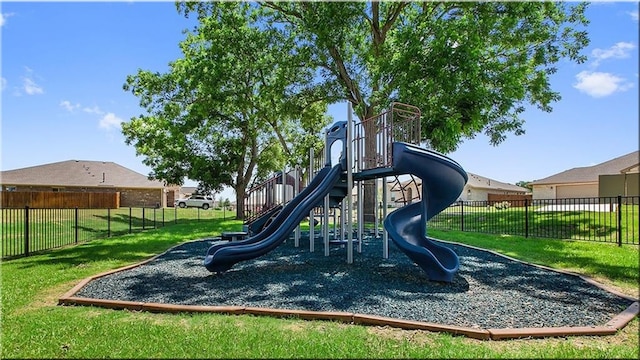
(25, 231)
(604, 219)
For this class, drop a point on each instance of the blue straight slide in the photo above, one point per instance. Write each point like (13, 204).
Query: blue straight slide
(222, 256)
(442, 182)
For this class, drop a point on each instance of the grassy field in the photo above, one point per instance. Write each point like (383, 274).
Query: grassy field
(587, 225)
(33, 326)
(53, 228)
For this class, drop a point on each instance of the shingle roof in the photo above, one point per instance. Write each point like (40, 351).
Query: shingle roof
(482, 182)
(591, 173)
(80, 173)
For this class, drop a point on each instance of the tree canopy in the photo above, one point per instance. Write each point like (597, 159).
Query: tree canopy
(256, 78)
(470, 67)
(235, 107)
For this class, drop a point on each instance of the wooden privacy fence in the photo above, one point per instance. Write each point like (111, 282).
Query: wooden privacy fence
(518, 200)
(60, 200)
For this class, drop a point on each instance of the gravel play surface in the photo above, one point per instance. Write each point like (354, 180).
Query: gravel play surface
(489, 291)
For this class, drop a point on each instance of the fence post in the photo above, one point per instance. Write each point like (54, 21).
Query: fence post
(175, 214)
(143, 218)
(461, 215)
(76, 216)
(26, 231)
(155, 226)
(619, 220)
(129, 220)
(108, 222)
(526, 217)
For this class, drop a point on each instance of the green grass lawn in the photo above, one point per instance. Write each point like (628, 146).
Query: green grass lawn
(33, 326)
(588, 225)
(53, 228)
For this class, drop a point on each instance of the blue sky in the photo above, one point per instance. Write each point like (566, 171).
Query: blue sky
(63, 66)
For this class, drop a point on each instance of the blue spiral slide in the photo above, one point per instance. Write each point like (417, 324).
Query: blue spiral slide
(442, 182)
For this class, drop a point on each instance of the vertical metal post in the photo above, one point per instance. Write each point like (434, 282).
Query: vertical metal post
(325, 225)
(376, 215)
(312, 228)
(284, 189)
(385, 234)
(296, 184)
(526, 217)
(360, 212)
(349, 148)
(76, 230)
(619, 210)
(461, 215)
(130, 219)
(26, 230)
(143, 218)
(108, 222)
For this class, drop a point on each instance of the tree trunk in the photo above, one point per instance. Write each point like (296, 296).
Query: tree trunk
(370, 153)
(240, 194)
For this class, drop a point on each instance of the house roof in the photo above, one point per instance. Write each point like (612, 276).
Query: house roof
(591, 173)
(481, 182)
(80, 173)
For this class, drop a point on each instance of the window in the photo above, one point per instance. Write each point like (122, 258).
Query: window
(10, 188)
(57, 189)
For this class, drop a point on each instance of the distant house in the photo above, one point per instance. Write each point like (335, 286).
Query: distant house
(135, 190)
(477, 188)
(615, 177)
(186, 191)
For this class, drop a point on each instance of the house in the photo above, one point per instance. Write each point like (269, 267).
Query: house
(186, 191)
(82, 176)
(615, 177)
(477, 188)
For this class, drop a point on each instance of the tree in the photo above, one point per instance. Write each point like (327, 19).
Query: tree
(235, 107)
(525, 184)
(470, 67)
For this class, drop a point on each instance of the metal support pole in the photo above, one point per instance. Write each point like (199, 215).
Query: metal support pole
(360, 187)
(325, 225)
(27, 225)
(385, 234)
(349, 185)
(312, 228)
(284, 189)
(619, 220)
(296, 184)
(376, 215)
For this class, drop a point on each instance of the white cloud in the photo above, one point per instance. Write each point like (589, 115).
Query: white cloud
(31, 87)
(633, 14)
(600, 84)
(3, 82)
(3, 18)
(93, 110)
(110, 121)
(620, 50)
(69, 106)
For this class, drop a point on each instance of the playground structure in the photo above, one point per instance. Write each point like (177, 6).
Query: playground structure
(386, 145)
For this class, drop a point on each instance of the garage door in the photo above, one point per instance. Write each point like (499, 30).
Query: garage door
(576, 191)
